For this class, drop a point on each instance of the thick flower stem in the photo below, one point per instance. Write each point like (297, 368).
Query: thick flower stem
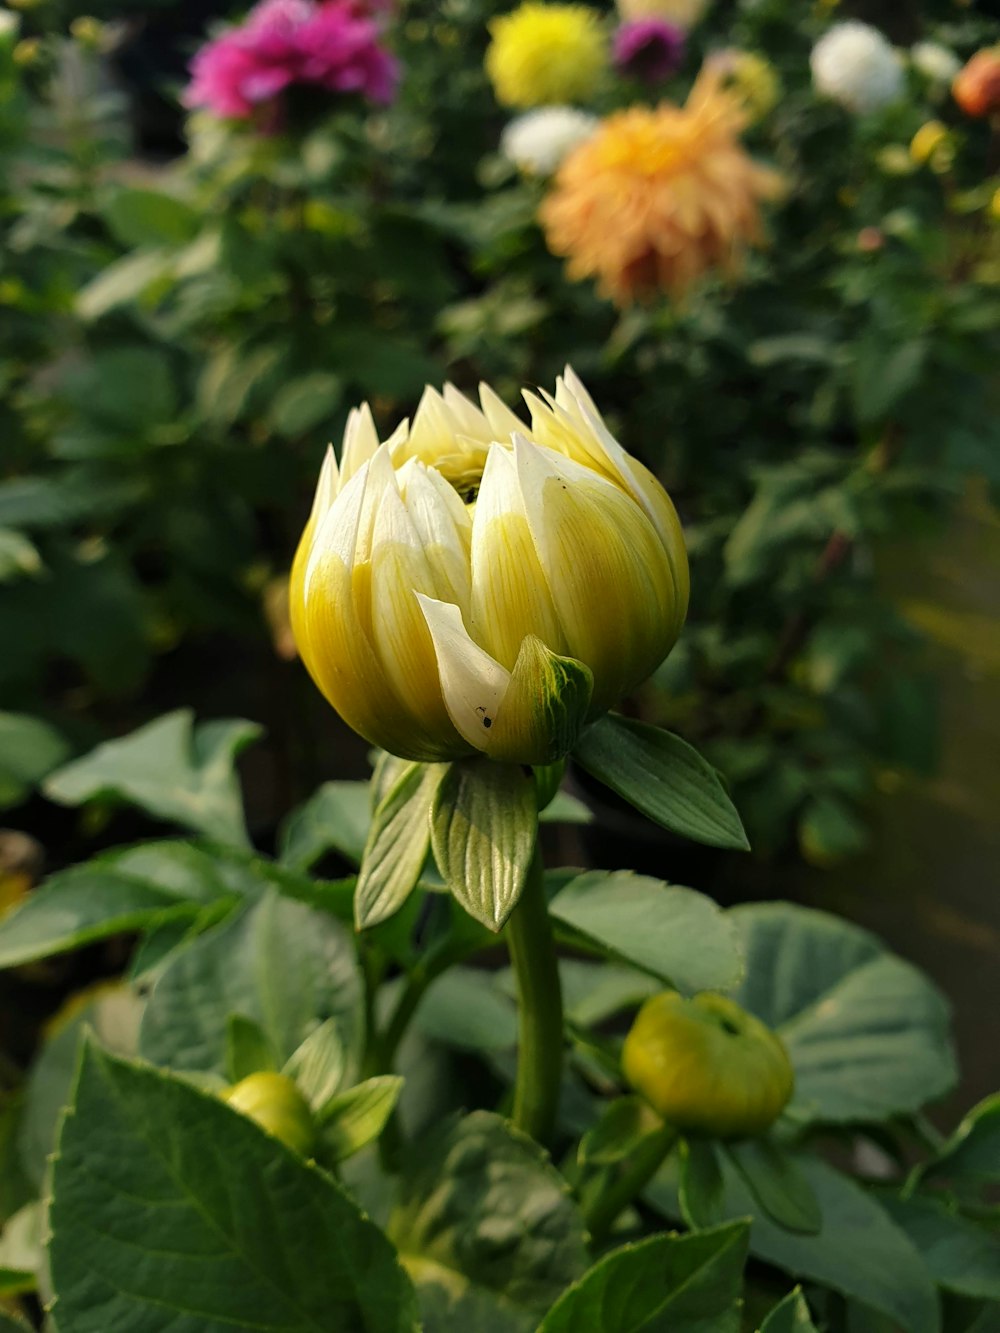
(540, 1019)
(638, 1172)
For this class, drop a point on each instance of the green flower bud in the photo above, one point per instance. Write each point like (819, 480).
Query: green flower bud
(707, 1066)
(276, 1104)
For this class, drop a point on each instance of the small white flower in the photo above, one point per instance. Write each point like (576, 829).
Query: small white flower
(856, 66)
(538, 141)
(10, 23)
(935, 62)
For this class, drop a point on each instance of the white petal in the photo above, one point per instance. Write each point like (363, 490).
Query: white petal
(360, 441)
(443, 528)
(337, 533)
(326, 487)
(472, 682)
(502, 421)
(469, 420)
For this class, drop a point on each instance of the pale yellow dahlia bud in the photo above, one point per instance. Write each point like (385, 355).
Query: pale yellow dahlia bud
(473, 585)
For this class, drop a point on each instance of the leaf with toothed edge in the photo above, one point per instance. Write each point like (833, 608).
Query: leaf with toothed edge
(483, 830)
(170, 1211)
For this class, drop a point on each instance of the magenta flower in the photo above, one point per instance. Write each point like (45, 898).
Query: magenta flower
(332, 44)
(649, 49)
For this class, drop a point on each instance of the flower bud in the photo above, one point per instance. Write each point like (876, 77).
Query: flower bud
(977, 85)
(468, 586)
(707, 1066)
(275, 1103)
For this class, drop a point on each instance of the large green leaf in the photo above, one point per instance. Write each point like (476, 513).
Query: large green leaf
(662, 776)
(29, 749)
(467, 1008)
(858, 1251)
(959, 1255)
(673, 933)
(150, 217)
(110, 1010)
(130, 889)
(335, 818)
(483, 1209)
(280, 963)
(483, 830)
(972, 1154)
(868, 1034)
(776, 1183)
(172, 1212)
(170, 768)
(665, 1284)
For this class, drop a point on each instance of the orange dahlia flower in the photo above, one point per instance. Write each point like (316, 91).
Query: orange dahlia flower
(977, 85)
(659, 196)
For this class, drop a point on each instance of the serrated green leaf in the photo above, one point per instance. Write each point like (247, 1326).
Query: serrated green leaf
(358, 1115)
(858, 1252)
(336, 817)
(248, 1049)
(170, 768)
(674, 933)
(131, 889)
(777, 1185)
(483, 830)
(868, 1035)
(279, 963)
(171, 1211)
(483, 1204)
(113, 1012)
(665, 1284)
(790, 1316)
(29, 750)
(663, 777)
(397, 844)
(960, 1255)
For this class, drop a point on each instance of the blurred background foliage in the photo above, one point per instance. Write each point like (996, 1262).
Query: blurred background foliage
(188, 320)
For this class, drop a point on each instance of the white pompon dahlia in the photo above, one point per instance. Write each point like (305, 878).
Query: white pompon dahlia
(853, 64)
(935, 62)
(538, 141)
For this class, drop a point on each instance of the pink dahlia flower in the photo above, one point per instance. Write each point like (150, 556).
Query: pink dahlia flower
(650, 49)
(332, 44)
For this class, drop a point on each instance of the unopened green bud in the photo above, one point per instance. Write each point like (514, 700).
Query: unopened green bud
(276, 1104)
(707, 1066)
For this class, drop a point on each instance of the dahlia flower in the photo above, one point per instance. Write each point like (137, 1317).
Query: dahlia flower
(685, 13)
(853, 64)
(538, 141)
(650, 49)
(475, 586)
(543, 54)
(977, 85)
(330, 44)
(659, 196)
(749, 77)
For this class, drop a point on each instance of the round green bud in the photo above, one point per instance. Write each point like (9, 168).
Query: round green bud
(276, 1104)
(707, 1066)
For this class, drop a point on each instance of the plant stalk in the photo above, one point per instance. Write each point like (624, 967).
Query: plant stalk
(639, 1171)
(540, 1017)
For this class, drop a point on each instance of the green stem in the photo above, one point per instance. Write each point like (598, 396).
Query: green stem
(640, 1170)
(540, 1020)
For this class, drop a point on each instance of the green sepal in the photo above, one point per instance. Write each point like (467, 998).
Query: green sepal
(663, 777)
(397, 844)
(353, 1118)
(544, 708)
(483, 831)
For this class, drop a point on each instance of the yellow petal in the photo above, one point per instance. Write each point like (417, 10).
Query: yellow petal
(610, 578)
(510, 592)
